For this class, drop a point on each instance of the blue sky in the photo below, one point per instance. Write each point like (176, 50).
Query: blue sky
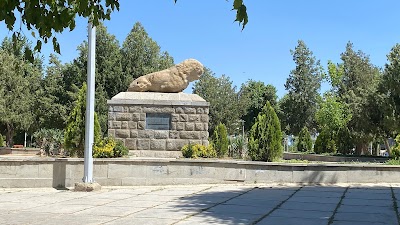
(204, 30)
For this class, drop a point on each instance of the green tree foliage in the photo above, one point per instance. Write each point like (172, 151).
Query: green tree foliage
(265, 140)
(1, 141)
(225, 105)
(61, 14)
(325, 143)
(109, 77)
(305, 143)
(354, 81)
(332, 118)
(141, 54)
(254, 95)
(389, 95)
(220, 140)
(303, 87)
(19, 81)
(51, 111)
(75, 131)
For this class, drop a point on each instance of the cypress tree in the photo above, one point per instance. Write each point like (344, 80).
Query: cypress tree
(75, 130)
(265, 141)
(220, 140)
(305, 142)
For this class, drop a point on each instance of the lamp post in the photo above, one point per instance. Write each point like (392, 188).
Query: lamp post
(89, 125)
(242, 121)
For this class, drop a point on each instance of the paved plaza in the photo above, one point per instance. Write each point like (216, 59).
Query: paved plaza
(205, 204)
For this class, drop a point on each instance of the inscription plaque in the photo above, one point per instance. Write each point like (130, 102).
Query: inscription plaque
(158, 121)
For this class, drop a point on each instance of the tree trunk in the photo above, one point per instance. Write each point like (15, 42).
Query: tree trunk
(388, 147)
(361, 149)
(10, 135)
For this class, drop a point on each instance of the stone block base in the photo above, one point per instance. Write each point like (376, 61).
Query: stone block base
(155, 154)
(87, 187)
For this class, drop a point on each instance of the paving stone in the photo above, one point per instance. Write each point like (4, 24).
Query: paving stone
(223, 208)
(272, 220)
(366, 209)
(308, 214)
(141, 221)
(366, 217)
(366, 202)
(314, 200)
(313, 206)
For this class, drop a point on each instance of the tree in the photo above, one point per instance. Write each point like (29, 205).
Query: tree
(75, 131)
(109, 77)
(141, 54)
(388, 96)
(51, 110)
(332, 118)
(325, 143)
(19, 80)
(254, 95)
(225, 106)
(305, 143)
(220, 140)
(60, 15)
(265, 140)
(303, 87)
(354, 81)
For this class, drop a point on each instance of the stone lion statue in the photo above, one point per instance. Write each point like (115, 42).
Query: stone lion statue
(173, 79)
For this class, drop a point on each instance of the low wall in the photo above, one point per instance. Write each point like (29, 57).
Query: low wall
(24, 151)
(48, 172)
(326, 158)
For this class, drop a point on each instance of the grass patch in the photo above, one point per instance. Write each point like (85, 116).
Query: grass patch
(395, 162)
(293, 161)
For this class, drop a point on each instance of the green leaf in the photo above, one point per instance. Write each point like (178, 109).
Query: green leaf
(237, 4)
(38, 46)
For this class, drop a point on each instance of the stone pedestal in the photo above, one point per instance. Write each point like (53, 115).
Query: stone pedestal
(155, 124)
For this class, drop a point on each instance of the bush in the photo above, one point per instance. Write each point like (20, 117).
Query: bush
(220, 140)
(396, 149)
(237, 147)
(265, 140)
(343, 141)
(120, 150)
(104, 148)
(305, 142)
(75, 130)
(1, 141)
(325, 143)
(109, 148)
(197, 150)
(50, 141)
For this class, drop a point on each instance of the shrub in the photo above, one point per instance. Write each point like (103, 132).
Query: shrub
(197, 150)
(120, 149)
(75, 130)
(325, 143)
(220, 140)
(236, 147)
(396, 149)
(109, 148)
(104, 148)
(265, 140)
(50, 141)
(343, 141)
(305, 142)
(1, 141)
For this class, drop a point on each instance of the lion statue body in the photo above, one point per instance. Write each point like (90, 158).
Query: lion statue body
(173, 79)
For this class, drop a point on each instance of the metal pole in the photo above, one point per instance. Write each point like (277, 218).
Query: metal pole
(89, 127)
(25, 141)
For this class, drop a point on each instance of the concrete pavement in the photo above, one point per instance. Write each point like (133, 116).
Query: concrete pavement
(205, 204)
